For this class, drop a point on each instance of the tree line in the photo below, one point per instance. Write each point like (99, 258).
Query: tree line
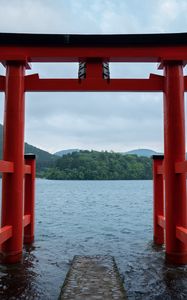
(95, 165)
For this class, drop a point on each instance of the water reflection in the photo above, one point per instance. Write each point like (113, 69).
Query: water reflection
(157, 248)
(18, 281)
(175, 279)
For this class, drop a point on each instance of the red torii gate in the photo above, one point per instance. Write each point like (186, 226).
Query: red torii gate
(93, 52)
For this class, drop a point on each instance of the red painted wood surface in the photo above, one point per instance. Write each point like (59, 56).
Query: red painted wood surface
(6, 166)
(29, 198)
(26, 220)
(13, 150)
(5, 234)
(174, 151)
(158, 199)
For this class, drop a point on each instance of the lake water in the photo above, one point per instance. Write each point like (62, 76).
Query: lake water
(88, 218)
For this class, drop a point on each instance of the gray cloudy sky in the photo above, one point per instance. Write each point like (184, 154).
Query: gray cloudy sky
(102, 121)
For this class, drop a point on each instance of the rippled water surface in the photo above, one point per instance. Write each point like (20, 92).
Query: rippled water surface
(87, 218)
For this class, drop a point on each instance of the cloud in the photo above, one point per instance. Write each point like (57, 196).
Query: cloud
(28, 16)
(96, 120)
(170, 16)
(88, 16)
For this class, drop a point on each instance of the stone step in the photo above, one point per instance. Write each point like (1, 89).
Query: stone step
(93, 278)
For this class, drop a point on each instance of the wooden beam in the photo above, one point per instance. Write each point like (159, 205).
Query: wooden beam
(26, 220)
(5, 233)
(6, 166)
(161, 221)
(181, 234)
(34, 84)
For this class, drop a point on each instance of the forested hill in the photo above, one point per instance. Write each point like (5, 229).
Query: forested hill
(94, 165)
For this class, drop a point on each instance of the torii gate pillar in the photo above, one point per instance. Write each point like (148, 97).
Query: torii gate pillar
(13, 150)
(174, 150)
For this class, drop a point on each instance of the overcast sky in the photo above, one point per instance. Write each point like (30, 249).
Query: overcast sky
(101, 121)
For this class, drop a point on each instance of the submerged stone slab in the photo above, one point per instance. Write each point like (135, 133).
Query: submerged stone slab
(93, 278)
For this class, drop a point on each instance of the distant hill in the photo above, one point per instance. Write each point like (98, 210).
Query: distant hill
(143, 152)
(65, 152)
(44, 158)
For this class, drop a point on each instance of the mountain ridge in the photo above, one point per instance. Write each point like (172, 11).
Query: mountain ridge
(139, 152)
(65, 152)
(143, 152)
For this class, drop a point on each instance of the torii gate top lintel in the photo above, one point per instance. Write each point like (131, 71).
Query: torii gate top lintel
(110, 47)
(93, 40)
(93, 52)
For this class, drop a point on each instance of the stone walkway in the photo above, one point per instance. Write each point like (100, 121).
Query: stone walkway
(93, 278)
